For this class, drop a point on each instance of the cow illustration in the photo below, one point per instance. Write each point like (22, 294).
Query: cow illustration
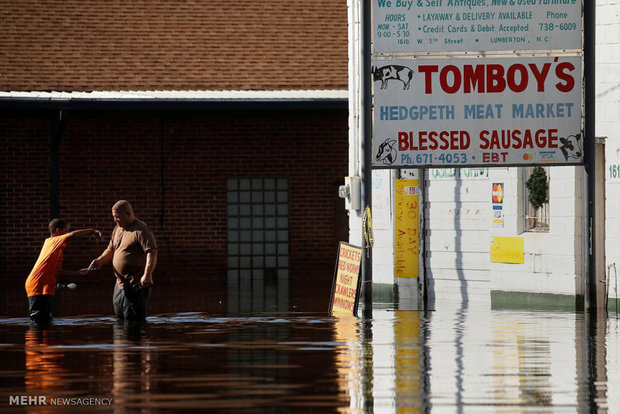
(571, 147)
(386, 152)
(398, 72)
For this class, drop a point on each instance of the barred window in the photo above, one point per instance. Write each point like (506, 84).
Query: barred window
(258, 244)
(536, 198)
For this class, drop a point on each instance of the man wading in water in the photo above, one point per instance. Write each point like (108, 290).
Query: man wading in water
(133, 253)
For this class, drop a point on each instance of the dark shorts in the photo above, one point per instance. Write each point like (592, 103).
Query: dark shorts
(130, 303)
(40, 309)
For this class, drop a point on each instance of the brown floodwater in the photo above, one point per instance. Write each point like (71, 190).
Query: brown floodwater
(202, 349)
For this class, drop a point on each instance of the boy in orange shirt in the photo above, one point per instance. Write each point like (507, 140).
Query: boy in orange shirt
(41, 283)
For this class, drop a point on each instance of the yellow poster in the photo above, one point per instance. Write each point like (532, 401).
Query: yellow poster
(344, 290)
(406, 228)
(507, 250)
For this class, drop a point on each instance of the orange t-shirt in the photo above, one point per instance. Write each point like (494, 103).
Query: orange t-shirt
(42, 278)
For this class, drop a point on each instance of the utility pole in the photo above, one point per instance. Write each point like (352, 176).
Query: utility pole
(367, 158)
(589, 22)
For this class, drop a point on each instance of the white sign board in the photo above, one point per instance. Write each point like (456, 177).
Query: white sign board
(461, 112)
(419, 26)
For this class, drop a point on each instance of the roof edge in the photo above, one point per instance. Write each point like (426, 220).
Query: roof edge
(228, 95)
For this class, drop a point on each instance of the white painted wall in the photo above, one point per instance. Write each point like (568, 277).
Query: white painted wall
(608, 122)
(459, 232)
(457, 221)
(552, 260)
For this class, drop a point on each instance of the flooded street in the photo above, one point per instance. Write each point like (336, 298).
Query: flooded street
(454, 359)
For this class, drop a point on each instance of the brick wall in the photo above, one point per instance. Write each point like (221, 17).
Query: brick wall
(174, 169)
(24, 191)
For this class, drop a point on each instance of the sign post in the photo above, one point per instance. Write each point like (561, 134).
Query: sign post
(367, 9)
(593, 279)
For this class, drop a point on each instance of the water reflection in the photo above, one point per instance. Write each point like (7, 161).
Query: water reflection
(409, 364)
(347, 361)
(399, 362)
(44, 370)
(521, 363)
(132, 366)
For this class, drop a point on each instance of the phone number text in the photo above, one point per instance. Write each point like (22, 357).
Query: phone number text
(429, 158)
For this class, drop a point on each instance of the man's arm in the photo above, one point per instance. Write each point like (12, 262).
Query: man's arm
(151, 262)
(106, 257)
(80, 233)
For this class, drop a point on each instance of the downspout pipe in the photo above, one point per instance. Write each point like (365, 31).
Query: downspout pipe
(57, 127)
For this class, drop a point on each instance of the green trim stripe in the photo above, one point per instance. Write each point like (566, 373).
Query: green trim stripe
(526, 300)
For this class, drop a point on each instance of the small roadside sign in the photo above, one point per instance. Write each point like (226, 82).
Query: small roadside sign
(345, 287)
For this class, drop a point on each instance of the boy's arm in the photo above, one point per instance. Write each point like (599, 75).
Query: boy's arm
(86, 232)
